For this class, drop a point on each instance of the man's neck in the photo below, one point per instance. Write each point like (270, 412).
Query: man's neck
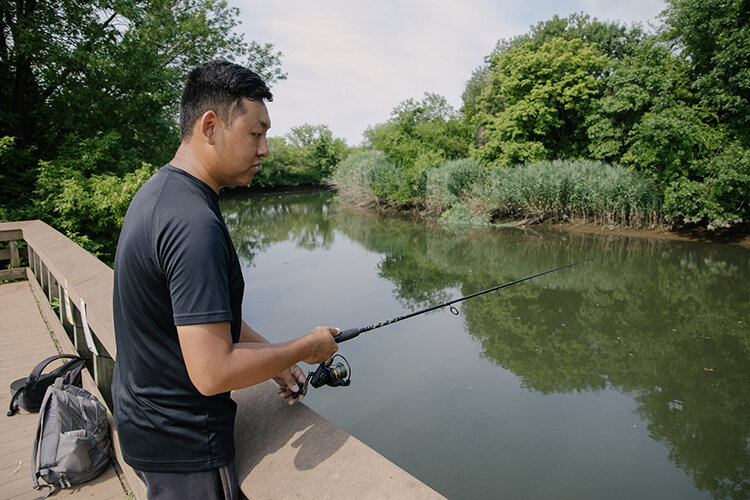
(186, 159)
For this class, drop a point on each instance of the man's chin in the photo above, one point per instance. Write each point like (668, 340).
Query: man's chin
(251, 174)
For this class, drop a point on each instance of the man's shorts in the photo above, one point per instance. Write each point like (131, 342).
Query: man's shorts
(215, 484)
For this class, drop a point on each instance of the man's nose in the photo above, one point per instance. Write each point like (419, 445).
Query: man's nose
(263, 148)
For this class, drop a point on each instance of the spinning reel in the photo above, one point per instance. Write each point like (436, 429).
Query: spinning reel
(332, 373)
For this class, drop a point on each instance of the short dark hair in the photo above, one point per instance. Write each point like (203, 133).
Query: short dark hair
(218, 85)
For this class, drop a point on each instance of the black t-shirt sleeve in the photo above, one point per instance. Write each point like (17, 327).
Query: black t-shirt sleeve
(195, 259)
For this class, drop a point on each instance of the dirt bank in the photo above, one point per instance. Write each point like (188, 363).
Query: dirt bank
(739, 237)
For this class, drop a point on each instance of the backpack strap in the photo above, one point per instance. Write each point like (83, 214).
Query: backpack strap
(37, 437)
(38, 369)
(74, 367)
(13, 407)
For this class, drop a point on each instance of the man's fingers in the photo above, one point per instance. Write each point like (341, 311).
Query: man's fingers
(290, 381)
(297, 374)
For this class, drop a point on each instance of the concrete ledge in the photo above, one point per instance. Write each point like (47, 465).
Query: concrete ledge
(292, 452)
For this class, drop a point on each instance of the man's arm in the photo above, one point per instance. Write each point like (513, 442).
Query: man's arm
(248, 334)
(216, 365)
(286, 379)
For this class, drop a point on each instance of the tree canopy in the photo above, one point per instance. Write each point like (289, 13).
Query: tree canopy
(91, 89)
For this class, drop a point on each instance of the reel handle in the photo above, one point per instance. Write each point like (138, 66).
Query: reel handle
(346, 335)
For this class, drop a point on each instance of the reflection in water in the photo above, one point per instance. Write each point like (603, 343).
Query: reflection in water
(261, 221)
(661, 321)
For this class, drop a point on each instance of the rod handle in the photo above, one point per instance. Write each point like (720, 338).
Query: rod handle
(346, 335)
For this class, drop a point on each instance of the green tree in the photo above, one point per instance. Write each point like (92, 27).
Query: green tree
(613, 39)
(537, 99)
(420, 135)
(651, 80)
(714, 36)
(315, 149)
(92, 89)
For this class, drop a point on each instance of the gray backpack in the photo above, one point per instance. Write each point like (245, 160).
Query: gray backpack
(72, 443)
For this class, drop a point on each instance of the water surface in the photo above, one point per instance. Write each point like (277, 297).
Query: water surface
(626, 377)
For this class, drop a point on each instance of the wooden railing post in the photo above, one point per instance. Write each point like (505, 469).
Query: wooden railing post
(15, 260)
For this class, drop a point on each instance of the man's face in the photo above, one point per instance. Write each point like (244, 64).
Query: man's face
(242, 144)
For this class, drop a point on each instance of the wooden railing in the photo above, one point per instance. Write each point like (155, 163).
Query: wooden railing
(282, 451)
(12, 254)
(72, 282)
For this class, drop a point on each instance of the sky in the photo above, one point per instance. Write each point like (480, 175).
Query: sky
(349, 63)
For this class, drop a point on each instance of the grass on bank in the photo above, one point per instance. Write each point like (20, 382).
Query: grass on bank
(465, 192)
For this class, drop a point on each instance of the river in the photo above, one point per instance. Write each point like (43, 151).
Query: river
(624, 377)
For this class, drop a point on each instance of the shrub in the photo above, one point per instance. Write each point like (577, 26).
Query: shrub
(366, 178)
(90, 210)
(720, 196)
(581, 189)
(452, 181)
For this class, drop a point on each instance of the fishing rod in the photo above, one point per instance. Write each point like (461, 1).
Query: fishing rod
(337, 374)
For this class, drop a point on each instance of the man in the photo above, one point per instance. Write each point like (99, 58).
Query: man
(181, 342)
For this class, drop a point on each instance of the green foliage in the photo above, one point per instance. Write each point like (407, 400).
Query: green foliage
(652, 80)
(460, 214)
(89, 210)
(276, 169)
(453, 181)
(664, 112)
(588, 190)
(307, 155)
(537, 99)
(612, 39)
(429, 127)
(714, 36)
(715, 191)
(663, 143)
(464, 192)
(90, 90)
(366, 178)
(315, 148)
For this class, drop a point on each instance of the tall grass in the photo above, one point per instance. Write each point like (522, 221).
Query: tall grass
(588, 191)
(453, 181)
(366, 179)
(465, 192)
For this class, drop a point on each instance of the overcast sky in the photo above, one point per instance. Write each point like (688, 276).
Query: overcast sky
(351, 62)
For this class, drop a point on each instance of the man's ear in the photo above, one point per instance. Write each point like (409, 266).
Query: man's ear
(207, 126)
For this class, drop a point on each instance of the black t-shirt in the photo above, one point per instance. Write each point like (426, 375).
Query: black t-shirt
(175, 265)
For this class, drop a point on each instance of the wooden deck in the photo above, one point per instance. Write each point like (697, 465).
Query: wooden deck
(24, 341)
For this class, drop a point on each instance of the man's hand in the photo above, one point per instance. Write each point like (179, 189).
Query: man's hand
(323, 348)
(290, 381)
(322, 344)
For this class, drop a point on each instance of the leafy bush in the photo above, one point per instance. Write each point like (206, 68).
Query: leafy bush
(718, 192)
(366, 178)
(461, 214)
(90, 210)
(305, 156)
(412, 184)
(452, 181)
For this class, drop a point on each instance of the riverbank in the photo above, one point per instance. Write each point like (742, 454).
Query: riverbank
(735, 236)
(738, 236)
